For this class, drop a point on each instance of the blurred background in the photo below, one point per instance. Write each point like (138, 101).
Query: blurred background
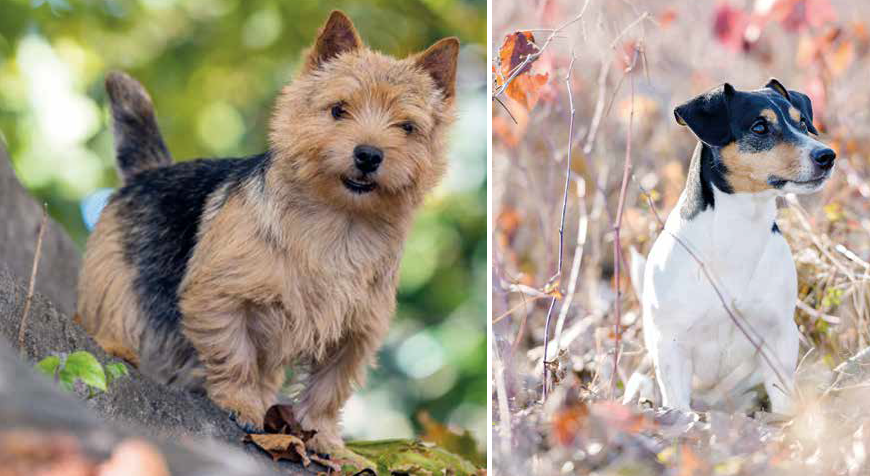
(213, 68)
(633, 62)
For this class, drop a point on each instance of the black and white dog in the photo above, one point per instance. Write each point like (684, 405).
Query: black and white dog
(753, 146)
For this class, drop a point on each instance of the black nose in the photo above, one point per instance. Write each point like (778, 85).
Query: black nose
(367, 158)
(824, 158)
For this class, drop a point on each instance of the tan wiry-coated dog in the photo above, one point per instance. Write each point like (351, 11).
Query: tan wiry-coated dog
(216, 274)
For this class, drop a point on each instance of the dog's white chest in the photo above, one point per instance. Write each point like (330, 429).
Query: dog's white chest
(695, 344)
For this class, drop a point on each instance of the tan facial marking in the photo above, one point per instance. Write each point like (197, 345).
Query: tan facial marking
(748, 172)
(770, 116)
(794, 114)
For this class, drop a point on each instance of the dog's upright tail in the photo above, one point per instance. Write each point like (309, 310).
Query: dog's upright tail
(138, 143)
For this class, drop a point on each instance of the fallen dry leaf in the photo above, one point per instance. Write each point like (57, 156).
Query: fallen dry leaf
(286, 447)
(281, 419)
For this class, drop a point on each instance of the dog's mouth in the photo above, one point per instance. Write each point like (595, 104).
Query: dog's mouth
(359, 186)
(779, 182)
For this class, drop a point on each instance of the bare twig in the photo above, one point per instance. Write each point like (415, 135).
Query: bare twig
(617, 225)
(599, 105)
(582, 226)
(558, 274)
(643, 16)
(33, 270)
(506, 109)
(510, 311)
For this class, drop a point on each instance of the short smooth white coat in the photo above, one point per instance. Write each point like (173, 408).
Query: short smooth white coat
(697, 348)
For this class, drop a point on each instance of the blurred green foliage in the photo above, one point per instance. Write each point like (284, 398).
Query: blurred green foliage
(213, 68)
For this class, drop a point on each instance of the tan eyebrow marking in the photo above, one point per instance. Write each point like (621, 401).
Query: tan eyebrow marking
(770, 116)
(795, 114)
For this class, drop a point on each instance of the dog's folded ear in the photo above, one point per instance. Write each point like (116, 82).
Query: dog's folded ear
(439, 60)
(708, 117)
(803, 103)
(337, 36)
(778, 87)
(797, 99)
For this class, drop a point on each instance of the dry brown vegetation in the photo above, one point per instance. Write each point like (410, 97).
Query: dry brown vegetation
(622, 66)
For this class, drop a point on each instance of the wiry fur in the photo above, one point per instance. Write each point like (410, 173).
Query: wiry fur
(138, 142)
(218, 273)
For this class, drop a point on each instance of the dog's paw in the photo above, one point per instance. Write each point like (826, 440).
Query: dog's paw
(246, 426)
(325, 443)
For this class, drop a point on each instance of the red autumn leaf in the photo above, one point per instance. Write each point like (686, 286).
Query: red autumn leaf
(567, 422)
(525, 87)
(729, 26)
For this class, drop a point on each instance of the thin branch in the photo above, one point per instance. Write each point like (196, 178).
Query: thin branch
(510, 311)
(506, 109)
(599, 105)
(33, 270)
(617, 225)
(582, 226)
(642, 17)
(558, 274)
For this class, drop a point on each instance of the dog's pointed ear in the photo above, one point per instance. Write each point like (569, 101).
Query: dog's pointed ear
(778, 87)
(805, 106)
(708, 117)
(337, 36)
(440, 62)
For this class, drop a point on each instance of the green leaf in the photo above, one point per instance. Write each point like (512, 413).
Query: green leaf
(115, 370)
(83, 366)
(48, 365)
(67, 381)
(410, 457)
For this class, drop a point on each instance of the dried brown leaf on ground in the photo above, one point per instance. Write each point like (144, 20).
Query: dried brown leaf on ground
(284, 437)
(281, 419)
(286, 447)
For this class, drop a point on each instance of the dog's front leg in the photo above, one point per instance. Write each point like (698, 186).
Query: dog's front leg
(218, 328)
(673, 367)
(780, 384)
(329, 387)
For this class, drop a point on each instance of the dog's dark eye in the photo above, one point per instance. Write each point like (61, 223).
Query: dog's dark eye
(338, 111)
(408, 127)
(760, 127)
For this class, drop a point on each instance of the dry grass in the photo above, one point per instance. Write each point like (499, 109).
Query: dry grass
(579, 429)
